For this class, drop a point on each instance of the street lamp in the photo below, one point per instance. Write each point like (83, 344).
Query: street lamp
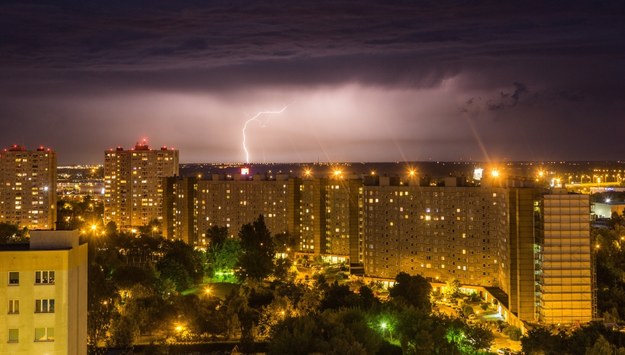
(384, 326)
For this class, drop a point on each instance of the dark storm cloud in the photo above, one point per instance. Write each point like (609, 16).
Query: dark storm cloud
(120, 67)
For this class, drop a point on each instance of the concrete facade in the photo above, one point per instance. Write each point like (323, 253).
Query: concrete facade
(134, 184)
(28, 187)
(43, 288)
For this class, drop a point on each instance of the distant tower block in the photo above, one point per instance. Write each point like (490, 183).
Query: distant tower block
(28, 187)
(134, 183)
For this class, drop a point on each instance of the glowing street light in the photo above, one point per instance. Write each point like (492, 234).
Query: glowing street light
(208, 291)
(494, 173)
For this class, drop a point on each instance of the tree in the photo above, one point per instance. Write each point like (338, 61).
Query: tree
(452, 288)
(110, 228)
(124, 331)
(222, 259)
(182, 264)
(256, 259)
(282, 270)
(338, 296)
(412, 290)
(285, 243)
(513, 332)
(541, 341)
(8, 232)
(217, 235)
(333, 332)
(152, 228)
(367, 298)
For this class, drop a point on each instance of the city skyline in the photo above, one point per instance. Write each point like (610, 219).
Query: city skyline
(363, 81)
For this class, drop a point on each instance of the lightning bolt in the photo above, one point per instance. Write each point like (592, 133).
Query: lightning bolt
(256, 118)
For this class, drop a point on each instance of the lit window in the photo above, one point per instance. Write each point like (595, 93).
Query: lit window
(44, 277)
(44, 306)
(14, 307)
(44, 334)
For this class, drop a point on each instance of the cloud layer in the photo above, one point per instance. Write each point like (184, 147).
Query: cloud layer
(367, 80)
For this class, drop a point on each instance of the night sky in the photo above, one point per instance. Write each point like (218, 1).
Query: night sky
(363, 80)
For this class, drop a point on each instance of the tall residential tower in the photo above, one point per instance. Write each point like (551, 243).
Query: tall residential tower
(28, 187)
(134, 181)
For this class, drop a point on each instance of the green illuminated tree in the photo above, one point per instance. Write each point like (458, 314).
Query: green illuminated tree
(222, 259)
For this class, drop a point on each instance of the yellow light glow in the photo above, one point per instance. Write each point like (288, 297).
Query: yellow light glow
(494, 173)
(412, 172)
(307, 172)
(94, 227)
(208, 291)
(337, 172)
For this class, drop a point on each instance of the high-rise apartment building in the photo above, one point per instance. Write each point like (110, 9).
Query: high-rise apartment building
(531, 244)
(28, 187)
(438, 232)
(534, 245)
(179, 218)
(43, 308)
(310, 215)
(233, 202)
(134, 184)
(565, 278)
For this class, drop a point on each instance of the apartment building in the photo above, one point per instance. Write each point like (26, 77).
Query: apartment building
(134, 184)
(43, 288)
(28, 187)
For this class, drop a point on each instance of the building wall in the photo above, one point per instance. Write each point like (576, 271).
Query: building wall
(28, 187)
(523, 239)
(233, 203)
(438, 232)
(535, 249)
(343, 218)
(117, 187)
(69, 291)
(605, 210)
(179, 218)
(311, 214)
(134, 185)
(566, 294)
